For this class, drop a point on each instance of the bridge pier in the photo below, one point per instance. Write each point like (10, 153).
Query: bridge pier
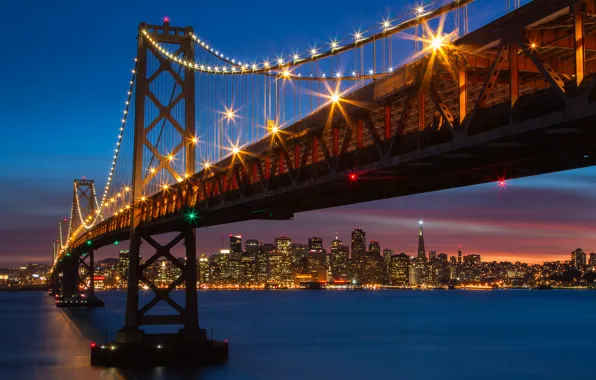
(189, 346)
(72, 281)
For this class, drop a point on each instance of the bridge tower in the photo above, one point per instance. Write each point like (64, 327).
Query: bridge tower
(78, 266)
(153, 160)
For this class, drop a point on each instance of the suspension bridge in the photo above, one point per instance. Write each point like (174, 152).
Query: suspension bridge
(207, 138)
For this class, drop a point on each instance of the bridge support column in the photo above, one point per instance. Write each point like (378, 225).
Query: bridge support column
(189, 346)
(187, 315)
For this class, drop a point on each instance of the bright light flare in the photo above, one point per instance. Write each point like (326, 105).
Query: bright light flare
(437, 42)
(502, 184)
(335, 97)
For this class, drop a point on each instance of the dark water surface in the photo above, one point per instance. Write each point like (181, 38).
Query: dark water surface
(282, 335)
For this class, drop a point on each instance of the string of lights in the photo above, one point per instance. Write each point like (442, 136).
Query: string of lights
(312, 54)
(235, 70)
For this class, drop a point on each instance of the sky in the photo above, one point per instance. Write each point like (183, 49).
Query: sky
(64, 70)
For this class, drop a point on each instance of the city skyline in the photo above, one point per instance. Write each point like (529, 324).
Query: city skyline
(512, 224)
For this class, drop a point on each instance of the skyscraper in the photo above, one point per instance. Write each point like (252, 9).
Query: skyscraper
(358, 249)
(315, 243)
(283, 260)
(299, 255)
(374, 247)
(252, 246)
(203, 276)
(578, 258)
(262, 262)
(122, 266)
(235, 246)
(459, 254)
(593, 259)
(399, 269)
(421, 250)
(340, 260)
(358, 242)
(432, 255)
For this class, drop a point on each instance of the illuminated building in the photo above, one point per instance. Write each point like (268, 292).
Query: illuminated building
(421, 250)
(299, 257)
(98, 282)
(459, 254)
(221, 271)
(472, 260)
(234, 259)
(593, 259)
(374, 247)
(167, 272)
(317, 264)
(281, 262)
(122, 266)
(262, 262)
(443, 257)
(578, 258)
(248, 269)
(203, 269)
(399, 275)
(417, 271)
(340, 260)
(387, 253)
(235, 246)
(252, 246)
(315, 244)
(432, 255)
(358, 249)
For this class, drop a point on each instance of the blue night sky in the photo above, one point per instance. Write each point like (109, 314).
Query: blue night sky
(64, 70)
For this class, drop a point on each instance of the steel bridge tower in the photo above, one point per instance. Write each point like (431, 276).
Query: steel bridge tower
(183, 122)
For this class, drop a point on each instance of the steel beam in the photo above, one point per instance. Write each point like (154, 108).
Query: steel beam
(463, 90)
(513, 75)
(578, 41)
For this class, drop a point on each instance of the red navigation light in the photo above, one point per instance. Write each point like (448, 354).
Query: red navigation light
(226, 341)
(352, 177)
(502, 183)
(92, 344)
(166, 19)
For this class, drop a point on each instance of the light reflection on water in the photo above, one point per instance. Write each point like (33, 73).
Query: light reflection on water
(327, 334)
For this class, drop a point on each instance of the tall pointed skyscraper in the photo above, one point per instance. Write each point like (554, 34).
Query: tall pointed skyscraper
(421, 250)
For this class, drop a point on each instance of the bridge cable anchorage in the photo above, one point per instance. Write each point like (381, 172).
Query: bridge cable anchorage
(282, 64)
